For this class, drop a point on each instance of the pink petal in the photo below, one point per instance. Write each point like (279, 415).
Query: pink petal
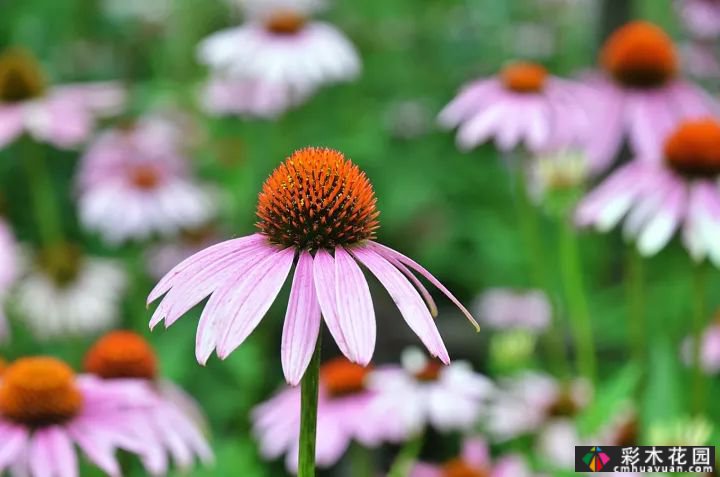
(425, 470)
(389, 253)
(418, 284)
(13, 443)
(42, 462)
(98, 452)
(355, 307)
(62, 451)
(256, 294)
(11, 124)
(302, 322)
(475, 452)
(324, 278)
(407, 300)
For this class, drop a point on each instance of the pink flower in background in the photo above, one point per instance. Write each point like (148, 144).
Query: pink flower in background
(640, 96)
(317, 207)
(701, 17)
(344, 416)
(425, 392)
(142, 168)
(60, 115)
(700, 59)
(474, 461)
(66, 293)
(45, 410)
(709, 349)
(659, 193)
(504, 309)
(526, 402)
(173, 420)
(275, 60)
(522, 106)
(9, 271)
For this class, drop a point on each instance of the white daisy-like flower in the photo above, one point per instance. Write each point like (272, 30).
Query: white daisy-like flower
(66, 293)
(425, 392)
(275, 60)
(142, 168)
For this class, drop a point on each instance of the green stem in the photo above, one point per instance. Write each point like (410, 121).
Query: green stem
(635, 281)
(530, 230)
(406, 458)
(698, 323)
(308, 415)
(578, 310)
(41, 187)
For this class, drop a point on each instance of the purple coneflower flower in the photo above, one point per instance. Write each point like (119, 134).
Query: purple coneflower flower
(60, 115)
(275, 60)
(344, 415)
(45, 410)
(474, 461)
(640, 95)
(701, 17)
(142, 167)
(507, 309)
(523, 105)
(660, 192)
(161, 258)
(424, 392)
(66, 293)
(319, 208)
(174, 419)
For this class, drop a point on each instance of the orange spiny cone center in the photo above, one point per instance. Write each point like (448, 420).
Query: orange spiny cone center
(460, 468)
(341, 378)
(285, 22)
(144, 176)
(640, 55)
(693, 149)
(431, 371)
(39, 391)
(317, 199)
(122, 354)
(524, 77)
(20, 76)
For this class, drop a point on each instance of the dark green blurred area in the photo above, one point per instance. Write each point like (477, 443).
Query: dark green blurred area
(453, 212)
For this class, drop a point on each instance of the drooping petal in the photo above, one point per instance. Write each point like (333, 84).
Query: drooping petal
(41, 459)
(213, 316)
(257, 293)
(14, 442)
(324, 278)
(390, 253)
(61, 449)
(99, 453)
(418, 284)
(302, 322)
(406, 298)
(355, 308)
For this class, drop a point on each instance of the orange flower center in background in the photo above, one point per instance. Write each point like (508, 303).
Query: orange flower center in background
(460, 468)
(317, 199)
(524, 77)
(61, 262)
(640, 55)
(693, 149)
(431, 371)
(20, 76)
(144, 176)
(3, 366)
(122, 354)
(39, 391)
(340, 377)
(285, 22)
(564, 405)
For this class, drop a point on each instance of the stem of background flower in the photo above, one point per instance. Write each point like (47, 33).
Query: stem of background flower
(44, 202)
(530, 230)
(308, 415)
(361, 461)
(698, 322)
(406, 458)
(635, 282)
(578, 310)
